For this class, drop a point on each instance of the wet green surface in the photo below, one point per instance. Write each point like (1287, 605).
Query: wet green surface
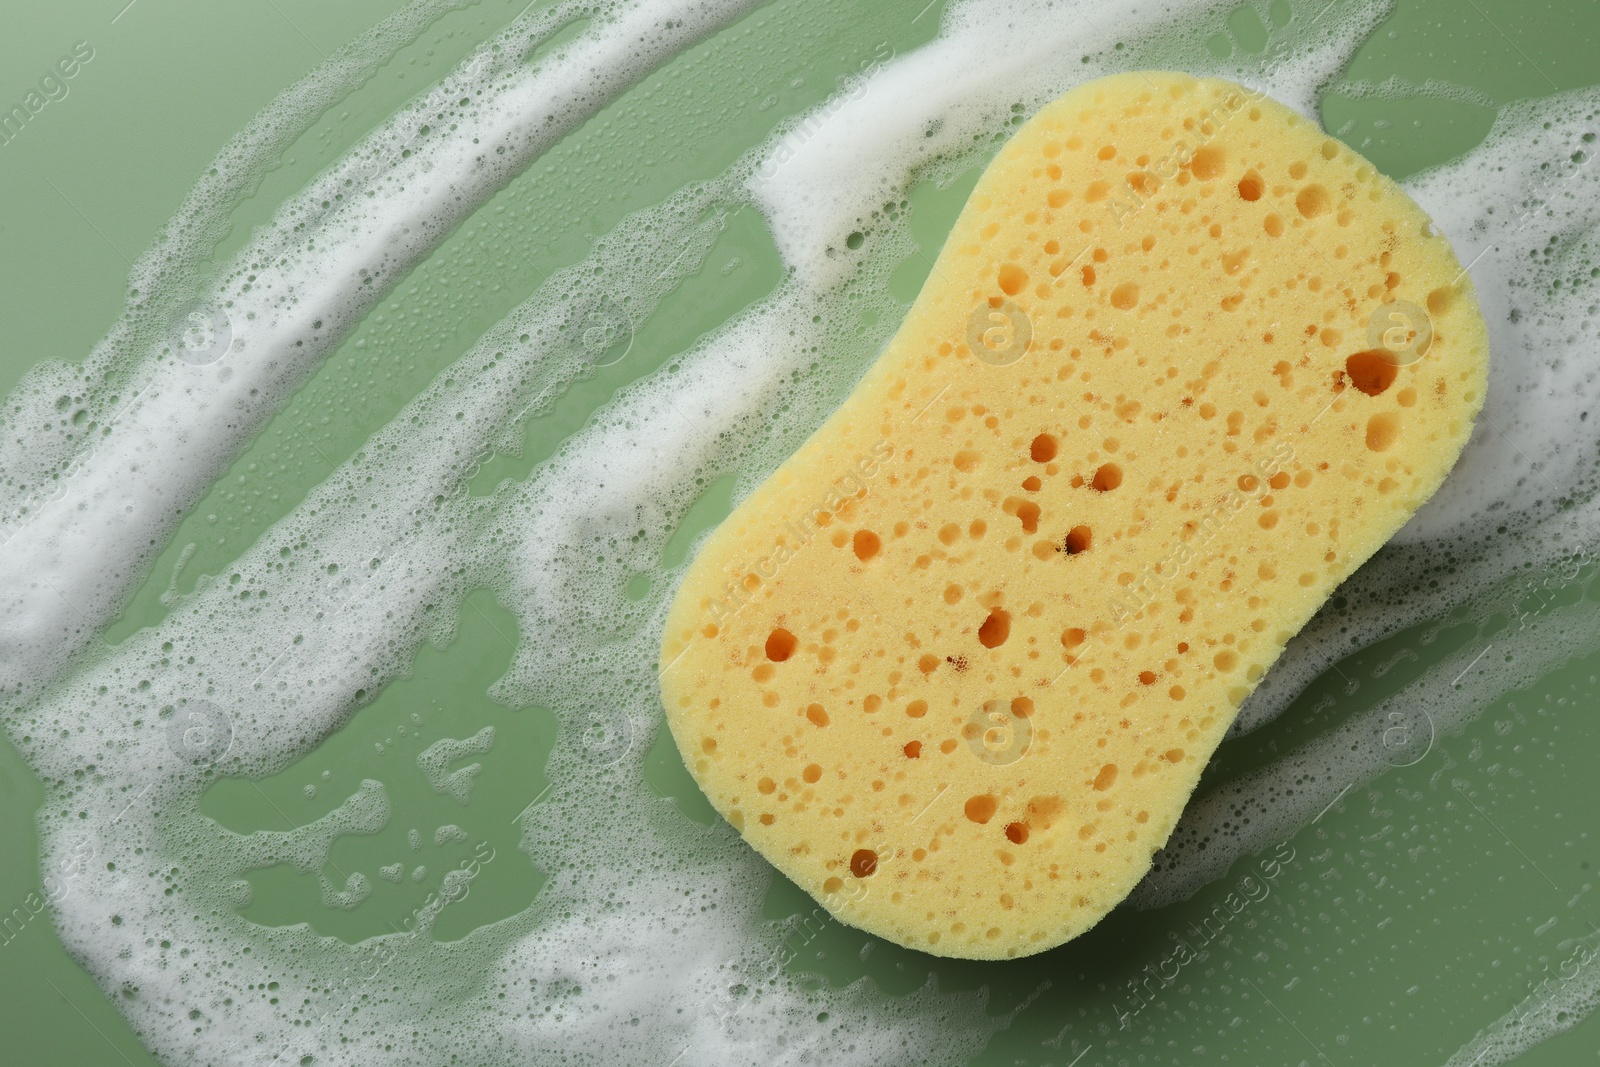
(1412, 914)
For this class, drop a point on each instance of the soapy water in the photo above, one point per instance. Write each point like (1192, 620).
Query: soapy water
(647, 946)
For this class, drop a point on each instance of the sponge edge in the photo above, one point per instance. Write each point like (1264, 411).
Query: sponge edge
(1183, 364)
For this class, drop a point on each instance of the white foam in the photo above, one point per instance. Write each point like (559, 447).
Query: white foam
(351, 613)
(1523, 212)
(990, 64)
(287, 299)
(1557, 1004)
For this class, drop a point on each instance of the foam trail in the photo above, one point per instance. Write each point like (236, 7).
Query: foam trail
(991, 63)
(1404, 587)
(291, 296)
(35, 442)
(286, 677)
(1523, 210)
(1257, 810)
(343, 579)
(1557, 1005)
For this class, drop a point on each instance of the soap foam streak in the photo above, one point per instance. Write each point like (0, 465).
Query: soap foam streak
(293, 294)
(287, 677)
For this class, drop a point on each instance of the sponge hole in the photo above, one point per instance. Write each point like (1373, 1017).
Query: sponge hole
(780, 645)
(863, 863)
(1383, 430)
(1012, 279)
(1251, 186)
(995, 629)
(980, 809)
(1313, 201)
(1208, 162)
(1107, 478)
(1371, 371)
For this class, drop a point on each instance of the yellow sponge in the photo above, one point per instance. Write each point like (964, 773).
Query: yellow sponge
(1183, 364)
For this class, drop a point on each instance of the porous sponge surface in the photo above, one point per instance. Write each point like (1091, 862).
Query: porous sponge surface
(1183, 364)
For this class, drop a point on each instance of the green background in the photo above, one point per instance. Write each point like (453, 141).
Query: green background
(1407, 921)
